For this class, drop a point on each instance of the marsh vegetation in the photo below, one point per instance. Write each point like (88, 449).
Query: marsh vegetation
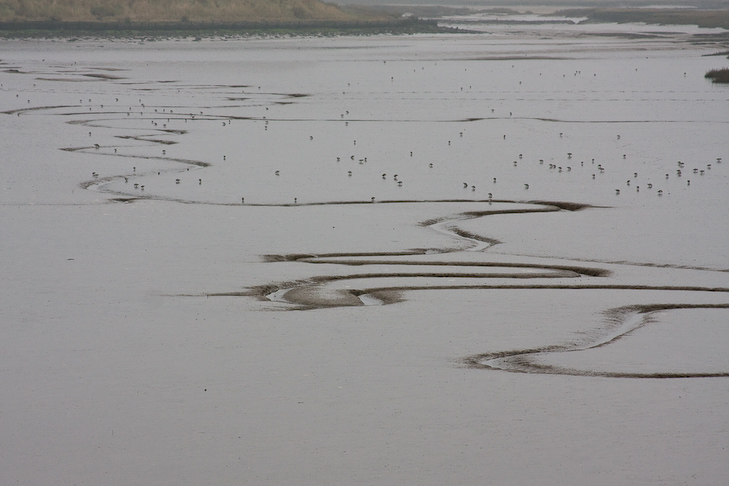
(168, 10)
(718, 75)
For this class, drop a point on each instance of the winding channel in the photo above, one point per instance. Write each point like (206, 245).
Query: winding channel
(391, 275)
(417, 270)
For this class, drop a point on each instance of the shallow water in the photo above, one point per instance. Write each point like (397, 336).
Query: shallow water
(153, 193)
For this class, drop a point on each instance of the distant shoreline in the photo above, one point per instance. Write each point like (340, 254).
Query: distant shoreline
(422, 19)
(657, 16)
(212, 28)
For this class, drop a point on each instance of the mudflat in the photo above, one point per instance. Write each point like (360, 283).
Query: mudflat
(495, 257)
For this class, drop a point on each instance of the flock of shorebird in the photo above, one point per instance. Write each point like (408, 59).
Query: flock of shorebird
(631, 182)
(600, 169)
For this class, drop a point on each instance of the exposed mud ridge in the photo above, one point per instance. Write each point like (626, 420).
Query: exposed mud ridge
(306, 299)
(67, 80)
(314, 292)
(546, 207)
(619, 322)
(35, 108)
(123, 199)
(479, 214)
(293, 257)
(318, 297)
(640, 264)
(92, 182)
(393, 281)
(105, 77)
(328, 258)
(142, 138)
(566, 205)
(517, 58)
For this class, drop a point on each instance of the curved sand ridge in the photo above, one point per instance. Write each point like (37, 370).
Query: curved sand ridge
(628, 319)
(418, 270)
